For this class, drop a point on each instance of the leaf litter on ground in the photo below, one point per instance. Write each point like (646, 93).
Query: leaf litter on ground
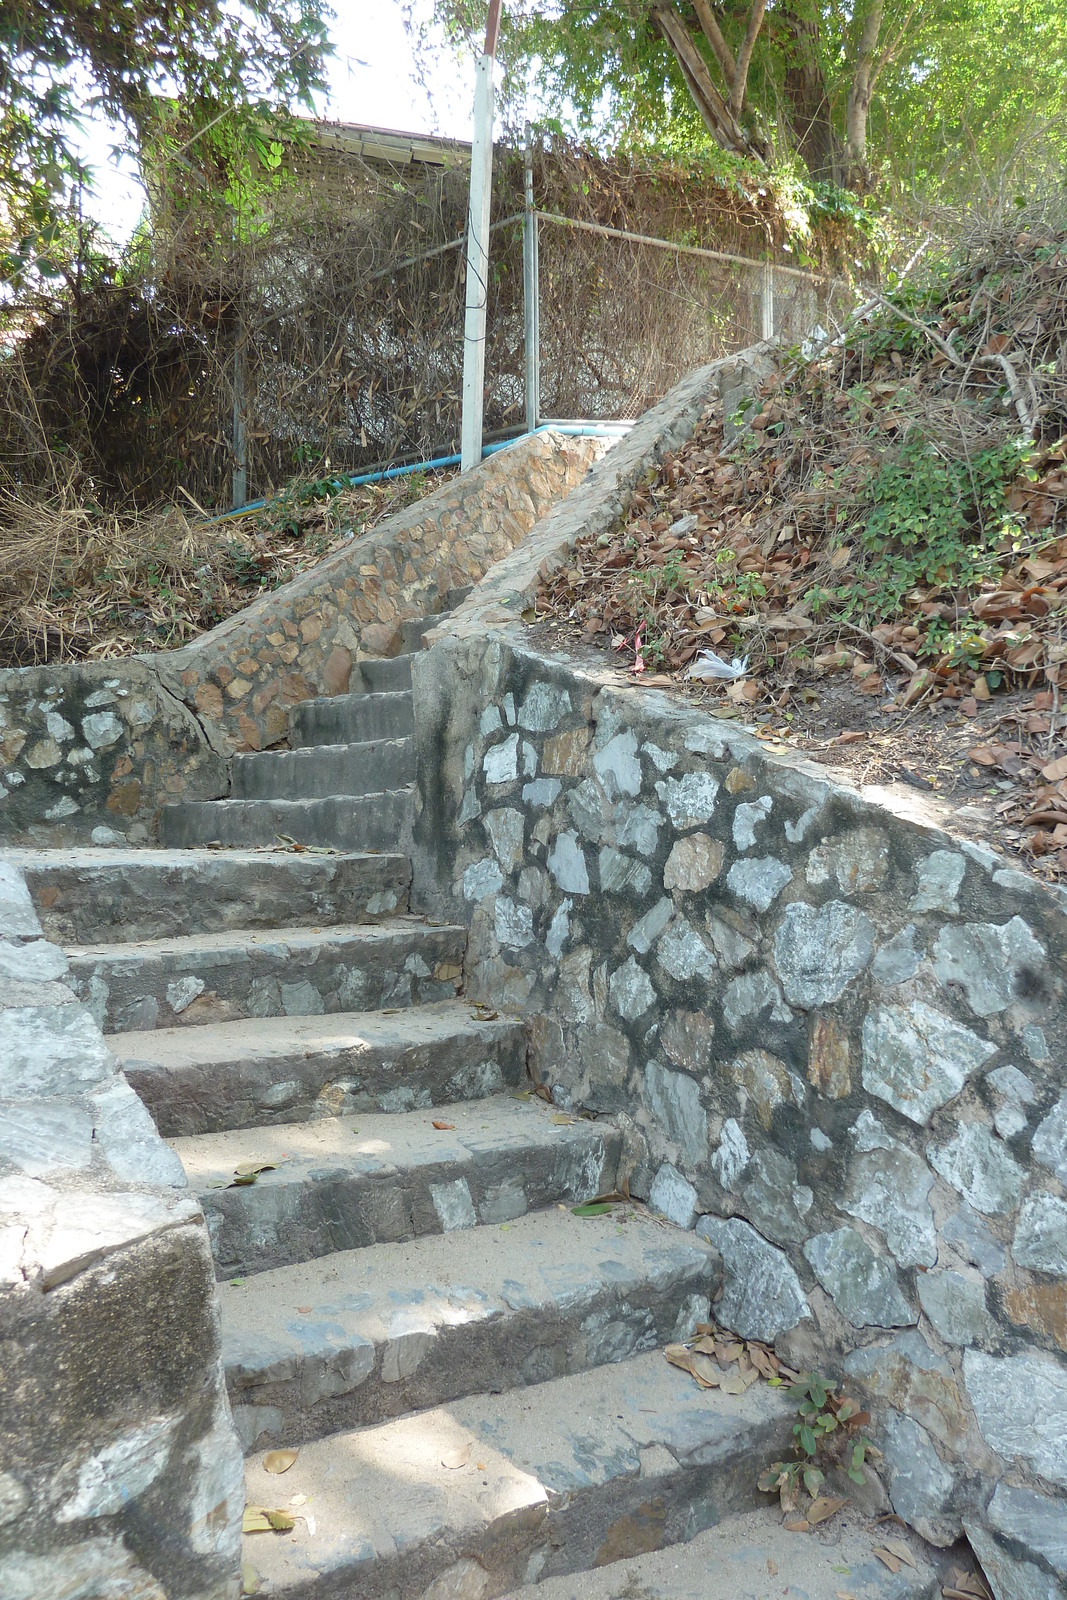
(884, 549)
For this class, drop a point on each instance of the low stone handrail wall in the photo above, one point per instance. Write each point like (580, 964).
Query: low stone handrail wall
(836, 1034)
(101, 746)
(120, 1471)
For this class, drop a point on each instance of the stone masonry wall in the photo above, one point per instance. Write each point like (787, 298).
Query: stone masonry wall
(120, 1472)
(102, 746)
(836, 1036)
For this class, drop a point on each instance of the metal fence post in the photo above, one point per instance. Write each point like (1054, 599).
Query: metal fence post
(240, 435)
(531, 297)
(767, 301)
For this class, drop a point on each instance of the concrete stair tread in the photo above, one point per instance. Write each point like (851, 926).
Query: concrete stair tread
(365, 1334)
(342, 767)
(362, 714)
(341, 1183)
(751, 1556)
(90, 895)
(258, 1070)
(530, 1483)
(376, 822)
(237, 939)
(192, 979)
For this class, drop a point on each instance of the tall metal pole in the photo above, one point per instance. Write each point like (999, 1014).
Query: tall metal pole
(477, 286)
(767, 301)
(531, 297)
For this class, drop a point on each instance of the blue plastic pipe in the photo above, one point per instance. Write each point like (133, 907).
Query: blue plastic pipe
(592, 430)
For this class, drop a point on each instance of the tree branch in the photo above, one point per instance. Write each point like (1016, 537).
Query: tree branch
(714, 35)
(722, 126)
(744, 60)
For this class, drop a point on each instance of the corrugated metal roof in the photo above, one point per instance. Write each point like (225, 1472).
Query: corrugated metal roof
(390, 144)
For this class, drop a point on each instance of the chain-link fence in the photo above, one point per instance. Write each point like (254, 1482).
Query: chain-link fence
(325, 334)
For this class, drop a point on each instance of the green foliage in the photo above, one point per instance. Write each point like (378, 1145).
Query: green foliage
(827, 1433)
(132, 59)
(966, 89)
(935, 520)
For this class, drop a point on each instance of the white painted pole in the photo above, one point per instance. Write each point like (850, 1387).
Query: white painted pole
(767, 301)
(477, 287)
(531, 298)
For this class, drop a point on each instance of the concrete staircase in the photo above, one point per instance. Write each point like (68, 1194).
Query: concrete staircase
(470, 1374)
(352, 745)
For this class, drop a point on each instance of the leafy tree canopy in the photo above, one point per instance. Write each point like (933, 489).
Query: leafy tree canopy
(924, 94)
(133, 60)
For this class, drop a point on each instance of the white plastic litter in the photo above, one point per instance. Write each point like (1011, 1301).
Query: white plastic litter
(708, 665)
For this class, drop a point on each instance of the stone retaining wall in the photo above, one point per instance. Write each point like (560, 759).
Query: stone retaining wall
(120, 1472)
(836, 1035)
(102, 746)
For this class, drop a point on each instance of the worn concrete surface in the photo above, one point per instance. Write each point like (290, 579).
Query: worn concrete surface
(217, 977)
(358, 1336)
(88, 895)
(343, 1182)
(552, 1478)
(264, 1070)
(751, 1556)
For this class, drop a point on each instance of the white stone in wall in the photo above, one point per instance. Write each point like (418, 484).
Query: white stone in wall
(1041, 1235)
(820, 951)
(682, 953)
(501, 761)
(674, 1100)
(994, 964)
(939, 879)
(513, 923)
(506, 829)
(617, 766)
(981, 1168)
(566, 862)
(559, 929)
(481, 878)
(107, 1481)
(917, 1059)
(690, 800)
(747, 818)
(101, 730)
(544, 708)
(762, 1295)
(732, 1154)
(1050, 1141)
(646, 931)
(759, 882)
(1021, 1405)
(638, 829)
(674, 1196)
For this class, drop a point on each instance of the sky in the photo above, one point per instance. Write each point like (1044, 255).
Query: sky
(371, 78)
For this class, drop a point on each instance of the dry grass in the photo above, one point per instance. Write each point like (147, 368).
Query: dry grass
(81, 584)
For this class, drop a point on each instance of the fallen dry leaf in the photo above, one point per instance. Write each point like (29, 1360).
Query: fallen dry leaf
(454, 1459)
(445, 1127)
(823, 1507)
(279, 1460)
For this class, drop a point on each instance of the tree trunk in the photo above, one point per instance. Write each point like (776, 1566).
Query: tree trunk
(808, 103)
(860, 95)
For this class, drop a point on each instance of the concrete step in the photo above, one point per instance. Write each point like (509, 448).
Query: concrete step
(305, 774)
(351, 718)
(218, 977)
(385, 674)
(264, 1070)
(342, 822)
(111, 896)
(341, 1182)
(494, 1491)
(751, 1556)
(364, 1335)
